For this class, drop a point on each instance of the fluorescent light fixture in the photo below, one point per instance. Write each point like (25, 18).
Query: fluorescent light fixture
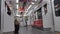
(29, 7)
(35, 0)
(18, 15)
(35, 7)
(32, 3)
(17, 1)
(29, 12)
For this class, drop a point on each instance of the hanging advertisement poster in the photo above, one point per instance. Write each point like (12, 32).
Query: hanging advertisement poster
(57, 7)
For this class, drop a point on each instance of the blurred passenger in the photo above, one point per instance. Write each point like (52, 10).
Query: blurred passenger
(26, 23)
(16, 24)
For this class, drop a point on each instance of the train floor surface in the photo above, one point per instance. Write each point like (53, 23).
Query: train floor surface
(30, 30)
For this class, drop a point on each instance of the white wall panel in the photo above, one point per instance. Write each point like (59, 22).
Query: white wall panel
(56, 19)
(6, 20)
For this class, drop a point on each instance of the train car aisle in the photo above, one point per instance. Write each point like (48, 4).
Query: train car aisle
(30, 30)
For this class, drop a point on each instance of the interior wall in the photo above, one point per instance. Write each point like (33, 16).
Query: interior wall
(7, 22)
(47, 19)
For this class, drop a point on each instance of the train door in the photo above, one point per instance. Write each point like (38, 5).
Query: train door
(7, 16)
(56, 13)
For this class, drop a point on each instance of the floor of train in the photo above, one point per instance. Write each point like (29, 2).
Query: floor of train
(30, 30)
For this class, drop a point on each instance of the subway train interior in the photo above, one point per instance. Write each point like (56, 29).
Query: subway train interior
(34, 16)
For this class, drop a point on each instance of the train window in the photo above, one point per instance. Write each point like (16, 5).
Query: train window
(39, 13)
(45, 9)
(57, 7)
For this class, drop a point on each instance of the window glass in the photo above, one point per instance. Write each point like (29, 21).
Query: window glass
(57, 7)
(39, 13)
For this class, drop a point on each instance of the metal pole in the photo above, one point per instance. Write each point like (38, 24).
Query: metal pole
(52, 15)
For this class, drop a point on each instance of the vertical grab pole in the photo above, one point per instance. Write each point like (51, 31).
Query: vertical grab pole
(51, 2)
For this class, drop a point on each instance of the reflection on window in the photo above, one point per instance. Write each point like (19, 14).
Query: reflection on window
(57, 7)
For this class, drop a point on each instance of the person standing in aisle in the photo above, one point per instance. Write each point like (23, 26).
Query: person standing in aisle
(26, 23)
(16, 24)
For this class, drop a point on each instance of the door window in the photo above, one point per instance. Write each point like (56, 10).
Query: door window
(57, 7)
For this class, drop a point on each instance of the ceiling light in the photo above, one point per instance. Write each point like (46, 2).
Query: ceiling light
(29, 7)
(29, 12)
(32, 3)
(35, 7)
(35, 0)
(17, 1)
(18, 15)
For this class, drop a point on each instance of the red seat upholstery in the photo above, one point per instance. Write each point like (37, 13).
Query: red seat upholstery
(38, 23)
